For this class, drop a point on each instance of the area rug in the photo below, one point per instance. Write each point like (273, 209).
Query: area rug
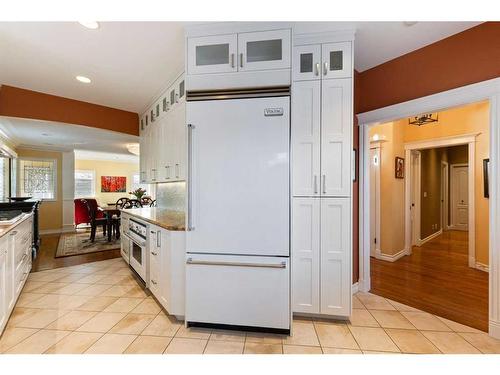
(71, 244)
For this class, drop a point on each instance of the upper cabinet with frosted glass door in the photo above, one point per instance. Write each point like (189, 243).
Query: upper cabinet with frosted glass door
(322, 61)
(264, 50)
(239, 52)
(212, 54)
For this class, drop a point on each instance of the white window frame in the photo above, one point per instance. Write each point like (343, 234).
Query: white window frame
(93, 194)
(55, 176)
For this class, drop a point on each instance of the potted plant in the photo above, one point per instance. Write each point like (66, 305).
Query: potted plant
(138, 193)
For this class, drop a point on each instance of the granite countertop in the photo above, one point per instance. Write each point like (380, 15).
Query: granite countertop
(167, 219)
(4, 229)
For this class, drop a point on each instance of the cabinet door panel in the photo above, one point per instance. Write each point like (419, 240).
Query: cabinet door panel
(336, 137)
(306, 138)
(3, 304)
(264, 50)
(337, 60)
(212, 54)
(305, 254)
(336, 270)
(307, 62)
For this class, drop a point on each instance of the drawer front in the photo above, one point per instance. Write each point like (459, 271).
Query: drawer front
(21, 275)
(154, 274)
(238, 290)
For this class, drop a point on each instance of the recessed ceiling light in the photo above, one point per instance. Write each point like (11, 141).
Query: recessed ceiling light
(83, 79)
(89, 24)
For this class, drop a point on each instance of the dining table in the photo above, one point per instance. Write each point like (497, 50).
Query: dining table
(109, 212)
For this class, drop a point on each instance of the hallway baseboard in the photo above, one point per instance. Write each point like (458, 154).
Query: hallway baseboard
(428, 238)
(390, 258)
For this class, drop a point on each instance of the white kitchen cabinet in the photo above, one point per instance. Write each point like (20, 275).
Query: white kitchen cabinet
(4, 313)
(307, 62)
(336, 255)
(264, 50)
(321, 254)
(15, 265)
(305, 254)
(337, 60)
(306, 146)
(178, 136)
(336, 137)
(212, 54)
(166, 268)
(322, 138)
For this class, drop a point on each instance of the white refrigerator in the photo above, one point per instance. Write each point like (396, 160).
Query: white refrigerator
(238, 239)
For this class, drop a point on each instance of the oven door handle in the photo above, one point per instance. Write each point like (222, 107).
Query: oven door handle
(141, 244)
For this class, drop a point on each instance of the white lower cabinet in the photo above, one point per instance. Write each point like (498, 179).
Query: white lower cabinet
(166, 268)
(15, 265)
(321, 255)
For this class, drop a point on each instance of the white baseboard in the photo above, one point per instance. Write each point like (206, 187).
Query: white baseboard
(482, 267)
(355, 288)
(57, 231)
(494, 329)
(428, 238)
(390, 258)
(455, 227)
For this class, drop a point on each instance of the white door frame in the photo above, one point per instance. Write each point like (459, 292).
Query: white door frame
(486, 90)
(416, 182)
(376, 146)
(445, 196)
(468, 207)
(466, 139)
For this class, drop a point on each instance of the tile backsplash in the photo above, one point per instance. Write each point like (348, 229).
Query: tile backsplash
(171, 195)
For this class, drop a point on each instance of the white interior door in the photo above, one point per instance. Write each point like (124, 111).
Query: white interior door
(460, 197)
(240, 193)
(374, 199)
(444, 196)
(306, 107)
(415, 198)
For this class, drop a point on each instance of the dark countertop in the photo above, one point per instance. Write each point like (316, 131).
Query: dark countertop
(167, 219)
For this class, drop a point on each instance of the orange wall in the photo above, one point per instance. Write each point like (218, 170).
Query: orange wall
(461, 59)
(16, 102)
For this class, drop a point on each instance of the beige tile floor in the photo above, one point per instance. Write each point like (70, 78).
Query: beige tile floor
(100, 308)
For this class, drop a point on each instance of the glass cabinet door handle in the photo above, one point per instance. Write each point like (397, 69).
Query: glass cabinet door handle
(325, 68)
(232, 60)
(316, 70)
(241, 60)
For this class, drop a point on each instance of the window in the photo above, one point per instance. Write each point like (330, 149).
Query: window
(136, 183)
(37, 178)
(4, 177)
(84, 184)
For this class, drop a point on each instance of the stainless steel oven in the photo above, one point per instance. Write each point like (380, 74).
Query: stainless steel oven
(137, 234)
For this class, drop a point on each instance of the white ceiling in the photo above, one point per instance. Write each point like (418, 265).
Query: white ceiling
(54, 136)
(105, 156)
(131, 62)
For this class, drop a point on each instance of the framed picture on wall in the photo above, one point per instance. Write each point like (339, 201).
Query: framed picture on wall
(399, 169)
(486, 182)
(113, 184)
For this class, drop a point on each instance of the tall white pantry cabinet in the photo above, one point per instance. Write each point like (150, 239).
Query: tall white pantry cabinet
(322, 120)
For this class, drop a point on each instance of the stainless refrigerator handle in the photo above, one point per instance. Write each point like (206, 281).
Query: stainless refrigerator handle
(190, 225)
(315, 184)
(324, 184)
(236, 264)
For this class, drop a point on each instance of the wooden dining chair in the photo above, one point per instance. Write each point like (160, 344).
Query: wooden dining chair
(120, 203)
(133, 203)
(94, 220)
(153, 203)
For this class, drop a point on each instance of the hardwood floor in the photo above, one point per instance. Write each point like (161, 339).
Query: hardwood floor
(436, 278)
(46, 255)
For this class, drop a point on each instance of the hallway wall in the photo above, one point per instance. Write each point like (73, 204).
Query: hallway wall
(473, 118)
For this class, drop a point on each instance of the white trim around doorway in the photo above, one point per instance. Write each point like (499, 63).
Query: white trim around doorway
(486, 90)
(469, 140)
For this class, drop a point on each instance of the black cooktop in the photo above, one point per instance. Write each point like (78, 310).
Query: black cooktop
(9, 215)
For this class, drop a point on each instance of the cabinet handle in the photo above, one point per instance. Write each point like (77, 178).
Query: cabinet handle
(167, 172)
(241, 60)
(190, 182)
(325, 68)
(158, 239)
(316, 70)
(153, 173)
(232, 60)
(177, 98)
(153, 253)
(324, 184)
(177, 169)
(315, 184)
(154, 282)
(14, 233)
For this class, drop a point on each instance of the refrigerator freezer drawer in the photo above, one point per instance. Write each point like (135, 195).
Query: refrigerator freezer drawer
(238, 290)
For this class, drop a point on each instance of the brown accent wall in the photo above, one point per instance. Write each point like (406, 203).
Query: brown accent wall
(461, 59)
(16, 102)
